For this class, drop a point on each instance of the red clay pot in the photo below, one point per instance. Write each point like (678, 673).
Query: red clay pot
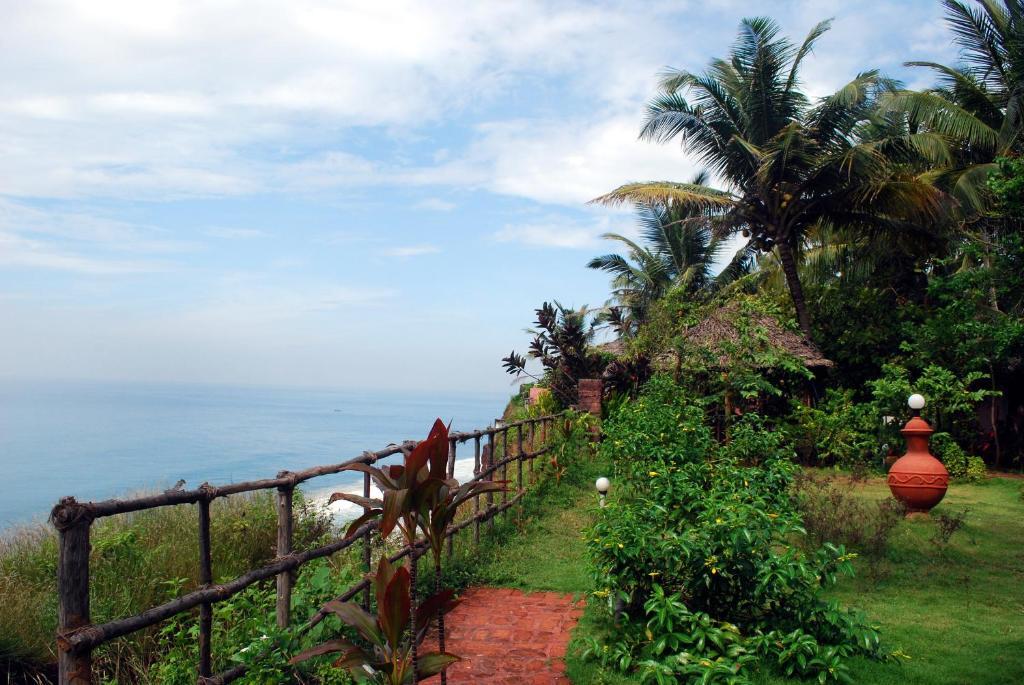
(917, 478)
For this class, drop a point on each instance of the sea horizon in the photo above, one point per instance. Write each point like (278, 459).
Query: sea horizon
(101, 439)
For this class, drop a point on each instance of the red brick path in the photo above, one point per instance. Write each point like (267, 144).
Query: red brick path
(506, 637)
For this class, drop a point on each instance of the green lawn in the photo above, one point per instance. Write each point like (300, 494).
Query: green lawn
(957, 614)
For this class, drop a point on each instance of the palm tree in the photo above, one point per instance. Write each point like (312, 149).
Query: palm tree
(976, 107)
(787, 165)
(680, 250)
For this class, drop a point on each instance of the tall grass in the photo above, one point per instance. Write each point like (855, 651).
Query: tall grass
(138, 560)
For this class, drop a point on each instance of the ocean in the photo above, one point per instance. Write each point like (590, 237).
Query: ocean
(98, 440)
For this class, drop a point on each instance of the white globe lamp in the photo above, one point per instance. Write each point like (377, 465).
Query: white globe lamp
(603, 485)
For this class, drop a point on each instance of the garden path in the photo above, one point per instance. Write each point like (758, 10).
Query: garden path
(509, 637)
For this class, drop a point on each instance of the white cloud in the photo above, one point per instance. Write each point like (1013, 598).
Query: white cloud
(17, 251)
(126, 99)
(82, 242)
(555, 231)
(406, 251)
(131, 99)
(560, 162)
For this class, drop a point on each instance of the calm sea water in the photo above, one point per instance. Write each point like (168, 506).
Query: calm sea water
(99, 440)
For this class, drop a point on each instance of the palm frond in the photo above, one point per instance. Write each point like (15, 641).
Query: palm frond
(667, 193)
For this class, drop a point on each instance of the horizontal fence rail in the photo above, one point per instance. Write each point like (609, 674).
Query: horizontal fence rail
(77, 636)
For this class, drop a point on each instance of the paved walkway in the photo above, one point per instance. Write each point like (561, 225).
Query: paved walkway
(507, 637)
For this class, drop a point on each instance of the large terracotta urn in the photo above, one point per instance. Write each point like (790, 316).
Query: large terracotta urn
(918, 479)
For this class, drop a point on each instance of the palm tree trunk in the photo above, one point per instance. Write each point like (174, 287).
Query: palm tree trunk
(440, 616)
(787, 258)
(412, 615)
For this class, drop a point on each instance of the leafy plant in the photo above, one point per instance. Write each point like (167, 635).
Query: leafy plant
(562, 343)
(438, 513)
(390, 658)
(956, 460)
(407, 493)
(704, 534)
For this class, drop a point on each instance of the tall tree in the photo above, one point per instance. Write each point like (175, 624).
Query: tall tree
(787, 164)
(679, 249)
(976, 106)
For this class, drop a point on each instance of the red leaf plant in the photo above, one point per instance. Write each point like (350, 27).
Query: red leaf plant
(388, 660)
(417, 495)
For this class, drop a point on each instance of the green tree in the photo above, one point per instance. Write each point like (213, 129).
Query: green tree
(678, 250)
(788, 164)
(975, 108)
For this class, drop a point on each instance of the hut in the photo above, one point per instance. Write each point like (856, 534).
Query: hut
(735, 339)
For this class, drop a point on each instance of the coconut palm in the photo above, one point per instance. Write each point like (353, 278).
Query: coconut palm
(679, 250)
(976, 107)
(787, 164)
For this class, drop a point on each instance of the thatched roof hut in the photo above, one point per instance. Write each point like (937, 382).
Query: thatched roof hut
(615, 347)
(721, 327)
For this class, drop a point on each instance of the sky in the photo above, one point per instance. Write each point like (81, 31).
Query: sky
(343, 194)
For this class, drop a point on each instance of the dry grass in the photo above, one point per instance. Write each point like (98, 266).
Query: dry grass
(138, 560)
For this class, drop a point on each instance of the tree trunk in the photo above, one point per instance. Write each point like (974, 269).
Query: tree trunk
(787, 257)
(440, 618)
(993, 415)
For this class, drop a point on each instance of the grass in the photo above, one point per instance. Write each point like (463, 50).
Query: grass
(137, 561)
(956, 613)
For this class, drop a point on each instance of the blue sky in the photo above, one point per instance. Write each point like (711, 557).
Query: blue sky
(341, 194)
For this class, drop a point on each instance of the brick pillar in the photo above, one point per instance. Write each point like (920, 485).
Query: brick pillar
(591, 390)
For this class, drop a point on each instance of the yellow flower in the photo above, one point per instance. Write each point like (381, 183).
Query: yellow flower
(652, 474)
(620, 545)
(773, 516)
(654, 574)
(718, 520)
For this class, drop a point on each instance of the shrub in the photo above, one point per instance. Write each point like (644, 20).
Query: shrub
(698, 542)
(833, 514)
(951, 401)
(658, 429)
(956, 460)
(839, 431)
(946, 525)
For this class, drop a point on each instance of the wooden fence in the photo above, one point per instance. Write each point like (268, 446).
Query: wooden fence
(77, 636)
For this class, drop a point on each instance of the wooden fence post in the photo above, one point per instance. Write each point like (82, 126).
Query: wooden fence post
(367, 560)
(504, 467)
(519, 461)
(476, 500)
(72, 521)
(488, 461)
(451, 474)
(205, 580)
(284, 547)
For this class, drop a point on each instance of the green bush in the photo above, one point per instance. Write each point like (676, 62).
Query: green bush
(703, 534)
(956, 460)
(841, 432)
(658, 429)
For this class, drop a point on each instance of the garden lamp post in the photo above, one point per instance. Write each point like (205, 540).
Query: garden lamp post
(602, 484)
(918, 479)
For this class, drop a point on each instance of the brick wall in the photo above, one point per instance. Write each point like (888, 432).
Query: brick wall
(591, 391)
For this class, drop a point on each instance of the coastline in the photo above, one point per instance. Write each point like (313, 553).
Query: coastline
(343, 512)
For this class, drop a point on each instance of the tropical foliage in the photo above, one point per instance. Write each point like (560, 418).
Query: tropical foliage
(789, 165)
(697, 552)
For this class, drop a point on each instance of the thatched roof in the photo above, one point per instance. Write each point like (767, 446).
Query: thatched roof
(720, 327)
(616, 347)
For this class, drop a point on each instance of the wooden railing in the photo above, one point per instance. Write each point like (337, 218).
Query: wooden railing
(77, 636)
